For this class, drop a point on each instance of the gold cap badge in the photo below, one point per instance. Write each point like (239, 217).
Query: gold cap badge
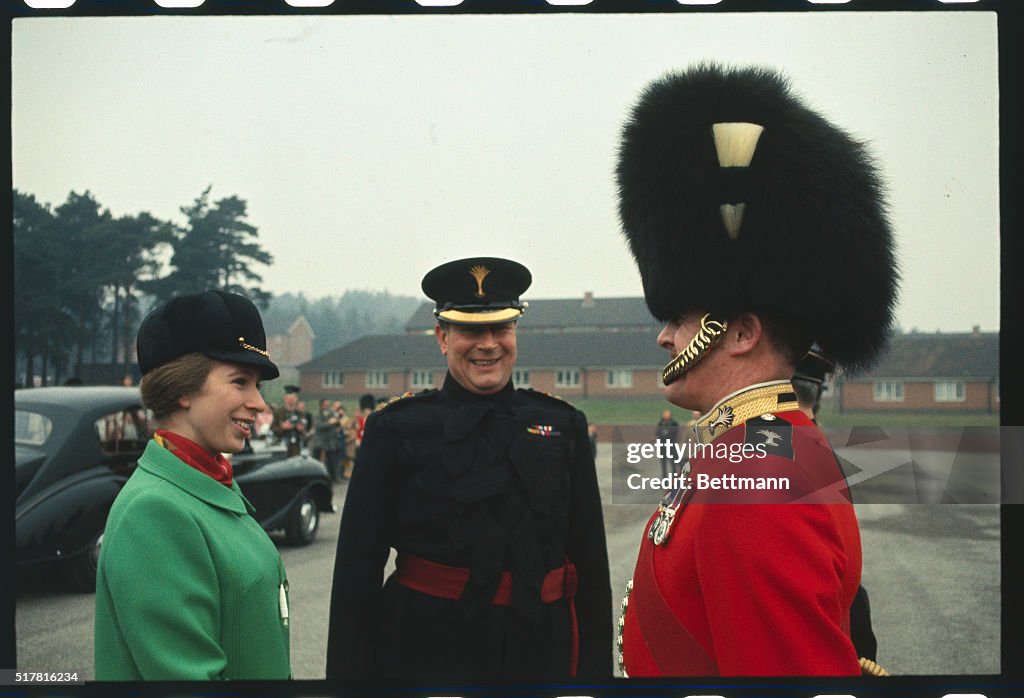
(479, 273)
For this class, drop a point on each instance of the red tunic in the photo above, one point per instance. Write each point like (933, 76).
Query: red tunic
(749, 583)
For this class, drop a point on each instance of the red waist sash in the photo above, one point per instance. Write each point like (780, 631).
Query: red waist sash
(442, 581)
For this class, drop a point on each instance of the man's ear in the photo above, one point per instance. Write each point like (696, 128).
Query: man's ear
(442, 339)
(745, 332)
(184, 402)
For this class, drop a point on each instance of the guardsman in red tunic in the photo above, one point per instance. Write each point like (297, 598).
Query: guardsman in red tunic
(735, 196)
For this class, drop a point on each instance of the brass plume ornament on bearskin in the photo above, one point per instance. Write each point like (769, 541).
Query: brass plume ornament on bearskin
(734, 145)
(735, 197)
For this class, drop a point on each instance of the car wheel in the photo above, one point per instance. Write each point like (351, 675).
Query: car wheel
(80, 571)
(303, 521)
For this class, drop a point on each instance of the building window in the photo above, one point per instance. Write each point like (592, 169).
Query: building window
(620, 379)
(520, 378)
(567, 378)
(377, 379)
(332, 379)
(422, 379)
(949, 391)
(888, 391)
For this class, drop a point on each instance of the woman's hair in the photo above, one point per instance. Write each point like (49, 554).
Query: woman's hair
(163, 386)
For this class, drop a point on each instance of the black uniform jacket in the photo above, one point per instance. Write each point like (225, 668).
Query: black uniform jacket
(495, 483)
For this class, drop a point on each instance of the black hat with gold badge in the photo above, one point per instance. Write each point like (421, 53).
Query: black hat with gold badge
(477, 290)
(736, 197)
(219, 324)
(814, 367)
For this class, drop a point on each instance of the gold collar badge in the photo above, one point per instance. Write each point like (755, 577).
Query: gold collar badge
(761, 400)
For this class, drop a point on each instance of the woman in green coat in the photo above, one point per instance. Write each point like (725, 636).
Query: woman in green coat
(189, 585)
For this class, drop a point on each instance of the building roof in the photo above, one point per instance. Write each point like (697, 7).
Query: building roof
(563, 315)
(380, 352)
(274, 326)
(302, 323)
(540, 350)
(967, 355)
(962, 355)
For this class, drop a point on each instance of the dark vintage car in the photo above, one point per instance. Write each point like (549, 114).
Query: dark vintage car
(75, 447)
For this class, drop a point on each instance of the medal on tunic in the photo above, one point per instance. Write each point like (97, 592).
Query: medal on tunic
(661, 527)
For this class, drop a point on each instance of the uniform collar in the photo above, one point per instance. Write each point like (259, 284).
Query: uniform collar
(162, 463)
(736, 408)
(453, 389)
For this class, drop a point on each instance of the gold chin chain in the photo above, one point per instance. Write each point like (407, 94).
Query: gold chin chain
(710, 333)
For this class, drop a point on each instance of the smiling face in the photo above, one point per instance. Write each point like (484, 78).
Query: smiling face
(220, 416)
(480, 357)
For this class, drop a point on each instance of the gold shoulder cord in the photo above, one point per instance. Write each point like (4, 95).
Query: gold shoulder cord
(620, 626)
(395, 398)
(869, 668)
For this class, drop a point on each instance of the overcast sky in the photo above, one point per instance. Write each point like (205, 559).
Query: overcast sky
(371, 149)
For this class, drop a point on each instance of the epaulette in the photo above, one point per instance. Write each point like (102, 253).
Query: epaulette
(773, 433)
(548, 396)
(404, 396)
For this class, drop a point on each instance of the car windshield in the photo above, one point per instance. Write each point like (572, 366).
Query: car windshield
(31, 428)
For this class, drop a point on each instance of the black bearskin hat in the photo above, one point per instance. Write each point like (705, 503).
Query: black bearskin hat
(792, 226)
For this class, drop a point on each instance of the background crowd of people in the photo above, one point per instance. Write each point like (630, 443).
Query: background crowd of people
(328, 434)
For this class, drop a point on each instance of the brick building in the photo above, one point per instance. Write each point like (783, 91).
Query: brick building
(292, 345)
(581, 347)
(929, 373)
(564, 315)
(590, 348)
(571, 364)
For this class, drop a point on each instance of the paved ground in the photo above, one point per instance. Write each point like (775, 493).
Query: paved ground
(932, 572)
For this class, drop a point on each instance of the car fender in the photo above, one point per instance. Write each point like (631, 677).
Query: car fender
(62, 520)
(319, 485)
(322, 495)
(277, 469)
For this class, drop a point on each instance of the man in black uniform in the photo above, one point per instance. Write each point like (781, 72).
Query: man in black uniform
(667, 430)
(809, 381)
(289, 424)
(489, 495)
(809, 384)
